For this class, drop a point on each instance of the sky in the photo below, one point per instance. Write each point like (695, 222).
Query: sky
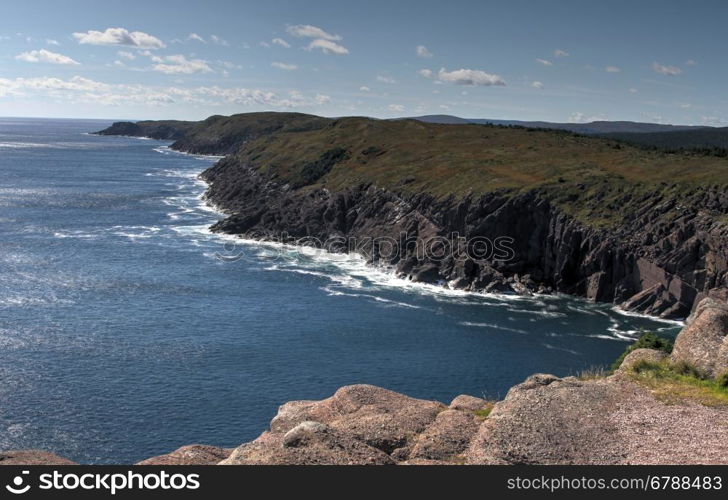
(564, 61)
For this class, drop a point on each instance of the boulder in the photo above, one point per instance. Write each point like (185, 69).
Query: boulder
(309, 443)
(547, 420)
(32, 457)
(470, 403)
(290, 415)
(702, 342)
(381, 418)
(650, 355)
(447, 437)
(194, 454)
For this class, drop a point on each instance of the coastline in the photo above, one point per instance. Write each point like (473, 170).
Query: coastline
(384, 275)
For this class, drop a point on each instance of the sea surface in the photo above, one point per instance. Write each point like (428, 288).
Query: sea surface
(127, 329)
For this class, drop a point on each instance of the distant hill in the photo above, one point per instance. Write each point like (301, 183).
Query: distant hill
(695, 139)
(591, 128)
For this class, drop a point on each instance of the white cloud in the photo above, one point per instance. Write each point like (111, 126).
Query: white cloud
(427, 73)
(470, 77)
(50, 41)
(579, 117)
(83, 90)
(308, 31)
(196, 37)
(713, 121)
(281, 42)
(544, 62)
(537, 85)
(328, 47)
(396, 107)
(560, 53)
(120, 36)
(179, 64)
(691, 62)
(126, 55)
(46, 56)
(666, 70)
(218, 41)
(364, 88)
(284, 66)
(633, 90)
(386, 79)
(612, 69)
(423, 52)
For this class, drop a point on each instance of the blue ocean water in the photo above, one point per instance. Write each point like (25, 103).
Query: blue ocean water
(123, 334)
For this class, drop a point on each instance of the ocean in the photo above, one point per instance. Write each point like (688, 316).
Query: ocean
(127, 329)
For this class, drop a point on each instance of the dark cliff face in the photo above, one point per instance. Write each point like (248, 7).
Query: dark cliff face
(478, 208)
(652, 264)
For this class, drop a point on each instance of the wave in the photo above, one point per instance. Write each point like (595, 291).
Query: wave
(168, 150)
(623, 312)
(492, 326)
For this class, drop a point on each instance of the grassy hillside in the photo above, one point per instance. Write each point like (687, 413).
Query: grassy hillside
(224, 134)
(590, 177)
(590, 128)
(708, 140)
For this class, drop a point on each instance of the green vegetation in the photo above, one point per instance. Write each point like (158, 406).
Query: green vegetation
(722, 380)
(593, 373)
(593, 179)
(485, 412)
(597, 180)
(699, 141)
(646, 341)
(677, 383)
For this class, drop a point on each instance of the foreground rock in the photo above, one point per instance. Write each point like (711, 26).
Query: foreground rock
(703, 342)
(32, 457)
(195, 454)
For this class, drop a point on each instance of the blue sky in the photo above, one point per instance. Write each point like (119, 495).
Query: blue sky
(656, 61)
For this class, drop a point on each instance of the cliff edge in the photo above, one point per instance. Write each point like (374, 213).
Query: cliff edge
(579, 215)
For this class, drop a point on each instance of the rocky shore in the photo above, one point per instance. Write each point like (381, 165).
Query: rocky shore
(653, 247)
(620, 418)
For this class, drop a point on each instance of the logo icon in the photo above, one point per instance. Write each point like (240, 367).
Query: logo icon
(17, 487)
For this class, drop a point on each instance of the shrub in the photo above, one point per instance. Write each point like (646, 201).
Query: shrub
(688, 370)
(722, 380)
(646, 341)
(593, 373)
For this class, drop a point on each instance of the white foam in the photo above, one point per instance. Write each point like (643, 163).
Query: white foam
(570, 351)
(491, 326)
(168, 150)
(621, 311)
(349, 273)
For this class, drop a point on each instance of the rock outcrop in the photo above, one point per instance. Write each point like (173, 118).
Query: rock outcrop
(32, 457)
(194, 454)
(652, 264)
(703, 343)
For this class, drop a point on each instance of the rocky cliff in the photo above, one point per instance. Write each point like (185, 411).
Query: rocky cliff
(497, 208)
(632, 416)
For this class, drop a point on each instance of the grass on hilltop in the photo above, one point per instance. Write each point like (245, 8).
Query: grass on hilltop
(680, 382)
(588, 177)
